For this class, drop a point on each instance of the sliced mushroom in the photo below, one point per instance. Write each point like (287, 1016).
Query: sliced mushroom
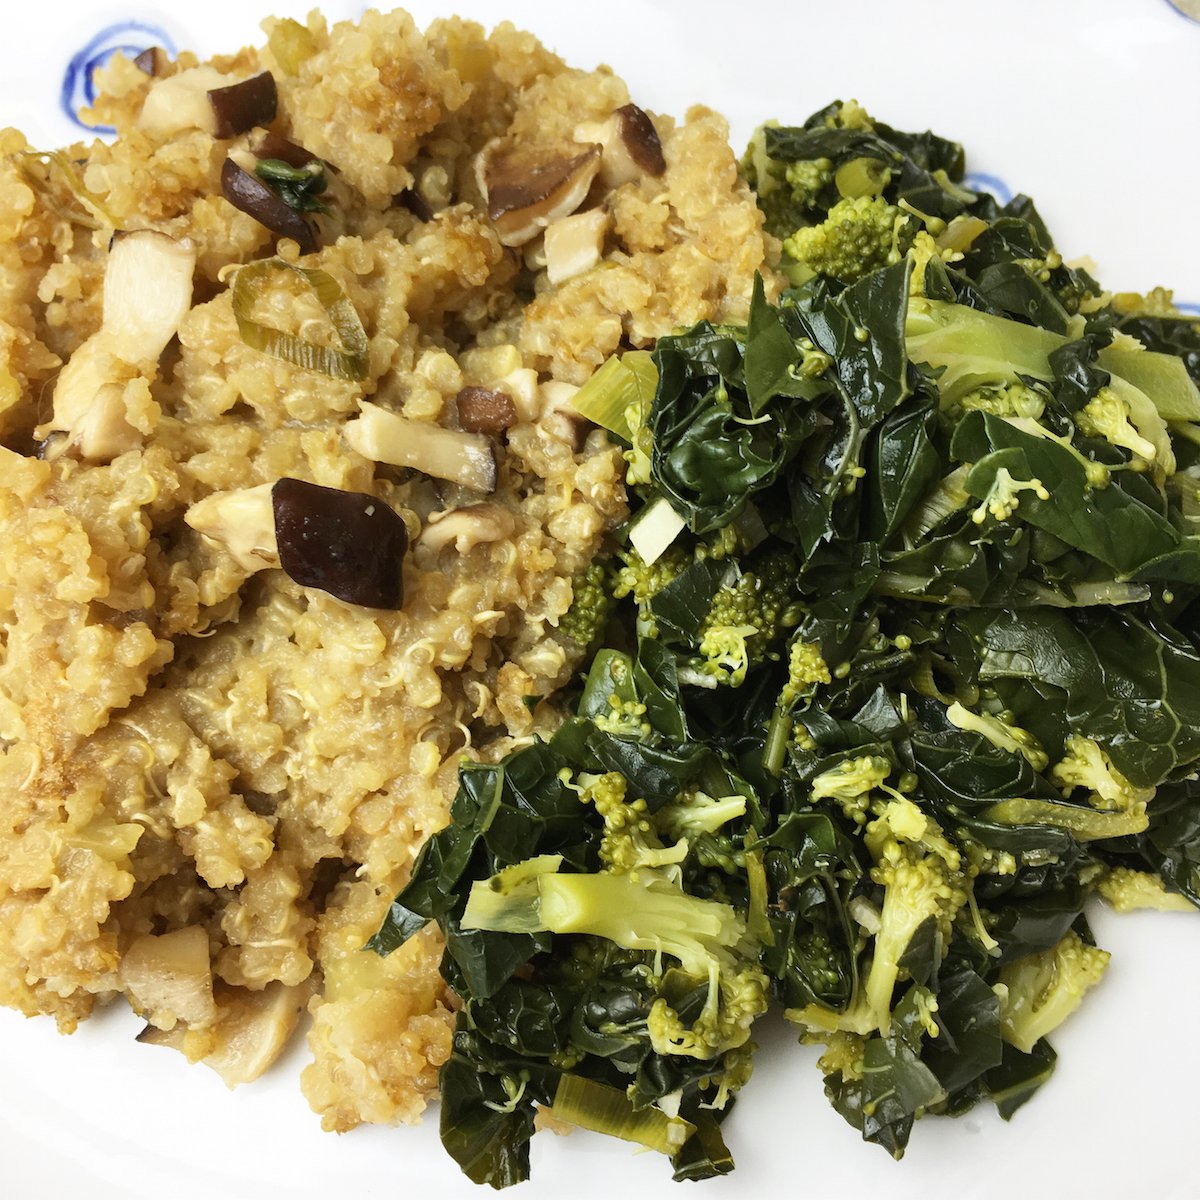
(483, 410)
(463, 458)
(466, 527)
(254, 1028)
(181, 102)
(169, 977)
(147, 292)
(528, 189)
(239, 107)
(251, 1031)
(349, 544)
(252, 196)
(631, 146)
(575, 244)
(243, 521)
(560, 418)
(153, 60)
(275, 145)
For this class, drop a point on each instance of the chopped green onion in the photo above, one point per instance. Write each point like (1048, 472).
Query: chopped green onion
(98, 217)
(292, 45)
(604, 1109)
(624, 380)
(297, 187)
(350, 362)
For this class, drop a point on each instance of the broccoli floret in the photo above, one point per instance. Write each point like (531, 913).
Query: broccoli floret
(1157, 302)
(639, 910)
(625, 718)
(643, 581)
(1098, 475)
(643, 910)
(806, 671)
(1000, 733)
(736, 999)
(697, 813)
(851, 783)
(807, 180)
(1039, 992)
(1005, 400)
(921, 875)
(1004, 496)
(924, 250)
(854, 239)
(784, 190)
(843, 1055)
(591, 604)
(1127, 890)
(1106, 415)
(726, 652)
(1088, 766)
(745, 619)
(630, 840)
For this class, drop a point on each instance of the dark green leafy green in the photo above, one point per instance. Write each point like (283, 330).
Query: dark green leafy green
(920, 676)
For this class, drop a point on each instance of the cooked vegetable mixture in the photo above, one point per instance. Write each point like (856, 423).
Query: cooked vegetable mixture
(895, 668)
(794, 568)
(291, 499)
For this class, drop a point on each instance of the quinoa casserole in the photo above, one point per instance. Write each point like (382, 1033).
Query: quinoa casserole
(215, 777)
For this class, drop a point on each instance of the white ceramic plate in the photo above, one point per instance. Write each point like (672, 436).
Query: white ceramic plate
(1090, 108)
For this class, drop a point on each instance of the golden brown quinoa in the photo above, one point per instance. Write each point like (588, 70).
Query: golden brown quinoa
(186, 744)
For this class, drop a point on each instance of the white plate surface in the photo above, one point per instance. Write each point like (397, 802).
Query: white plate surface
(1089, 106)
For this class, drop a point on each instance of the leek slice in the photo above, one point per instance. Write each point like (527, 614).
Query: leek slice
(96, 216)
(350, 362)
(624, 380)
(604, 1109)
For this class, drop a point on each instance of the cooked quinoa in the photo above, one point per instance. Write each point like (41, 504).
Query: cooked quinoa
(198, 754)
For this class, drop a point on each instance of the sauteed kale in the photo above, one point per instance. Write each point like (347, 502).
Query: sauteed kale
(896, 670)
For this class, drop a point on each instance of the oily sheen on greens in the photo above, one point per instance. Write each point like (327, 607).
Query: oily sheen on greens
(918, 680)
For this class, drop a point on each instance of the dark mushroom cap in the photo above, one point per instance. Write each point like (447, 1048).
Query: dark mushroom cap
(253, 197)
(483, 411)
(637, 131)
(527, 189)
(349, 544)
(241, 106)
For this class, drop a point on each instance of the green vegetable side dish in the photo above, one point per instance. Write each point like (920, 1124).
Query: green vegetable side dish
(896, 670)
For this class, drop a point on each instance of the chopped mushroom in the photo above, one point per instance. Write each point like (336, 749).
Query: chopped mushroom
(239, 107)
(169, 977)
(484, 410)
(466, 528)
(252, 1029)
(147, 292)
(246, 192)
(181, 102)
(153, 61)
(560, 418)
(528, 189)
(349, 544)
(631, 146)
(575, 244)
(243, 521)
(463, 458)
